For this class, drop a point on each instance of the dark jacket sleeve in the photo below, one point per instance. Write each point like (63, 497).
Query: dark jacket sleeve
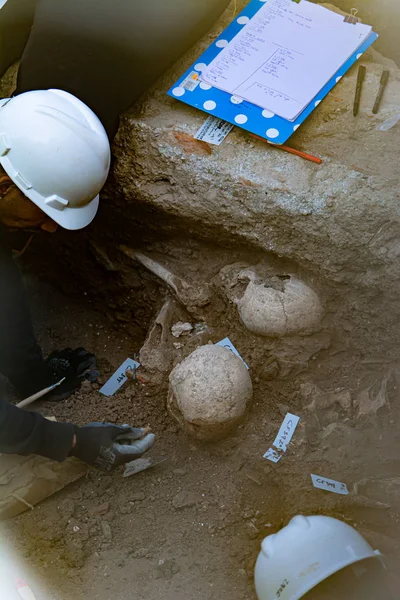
(23, 432)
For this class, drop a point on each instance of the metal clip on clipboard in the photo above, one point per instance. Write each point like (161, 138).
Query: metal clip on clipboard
(351, 18)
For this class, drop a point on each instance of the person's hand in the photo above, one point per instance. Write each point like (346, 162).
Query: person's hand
(74, 366)
(70, 363)
(107, 446)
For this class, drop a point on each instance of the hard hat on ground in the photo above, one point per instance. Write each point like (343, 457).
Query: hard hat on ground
(57, 152)
(305, 553)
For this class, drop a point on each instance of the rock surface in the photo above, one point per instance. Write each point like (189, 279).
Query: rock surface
(339, 219)
(181, 329)
(209, 392)
(369, 401)
(338, 222)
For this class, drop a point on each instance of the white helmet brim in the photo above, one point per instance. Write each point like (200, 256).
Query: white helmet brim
(73, 218)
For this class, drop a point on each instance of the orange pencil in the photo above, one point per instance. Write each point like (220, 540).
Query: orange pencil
(310, 157)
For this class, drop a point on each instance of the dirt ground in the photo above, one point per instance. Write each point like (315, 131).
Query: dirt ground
(192, 527)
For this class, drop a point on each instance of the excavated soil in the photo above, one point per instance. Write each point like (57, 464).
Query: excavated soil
(192, 526)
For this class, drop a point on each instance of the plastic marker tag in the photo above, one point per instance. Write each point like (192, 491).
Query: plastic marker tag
(329, 485)
(118, 379)
(282, 440)
(191, 82)
(214, 131)
(273, 455)
(226, 343)
(24, 590)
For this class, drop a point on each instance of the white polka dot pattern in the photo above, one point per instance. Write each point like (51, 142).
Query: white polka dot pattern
(241, 119)
(272, 133)
(267, 114)
(178, 91)
(210, 105)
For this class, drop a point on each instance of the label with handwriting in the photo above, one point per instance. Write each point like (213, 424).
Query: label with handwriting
(282, 440)
(119, 378)
(329, 485)
(214, 131)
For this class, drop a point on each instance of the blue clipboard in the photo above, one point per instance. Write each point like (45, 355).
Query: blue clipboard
(239, 112)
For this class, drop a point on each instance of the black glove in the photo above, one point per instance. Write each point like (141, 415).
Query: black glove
(73, 365)
(76, 366)
(70, 363)
(107, 446)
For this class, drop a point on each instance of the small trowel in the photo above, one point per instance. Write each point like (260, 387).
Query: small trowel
(142, 464)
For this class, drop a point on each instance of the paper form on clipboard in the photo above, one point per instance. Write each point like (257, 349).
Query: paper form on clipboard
(285, 55)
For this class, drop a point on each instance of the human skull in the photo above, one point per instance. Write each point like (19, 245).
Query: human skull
(209, 392)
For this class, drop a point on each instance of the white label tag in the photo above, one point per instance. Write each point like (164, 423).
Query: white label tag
(286, 432)
(191, 82)
(226, 343)
(273, 455)
(118, 379)
(329, 485)
(282, 440)
(214, 131)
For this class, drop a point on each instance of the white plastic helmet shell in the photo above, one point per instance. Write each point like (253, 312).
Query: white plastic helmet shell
(305, 553)
(57, 152)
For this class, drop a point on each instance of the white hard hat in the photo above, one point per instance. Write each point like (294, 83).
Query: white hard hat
(304, 553)
(57, 152)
